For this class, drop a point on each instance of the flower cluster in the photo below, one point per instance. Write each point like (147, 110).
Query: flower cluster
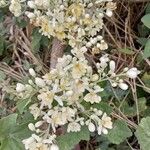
(61, 94)
(69, 20)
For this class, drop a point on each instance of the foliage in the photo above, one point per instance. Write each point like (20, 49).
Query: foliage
(112, 109)
(119, 133)
(143, 133)
(12, 134)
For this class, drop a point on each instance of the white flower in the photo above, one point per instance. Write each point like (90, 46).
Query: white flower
(29, 143)
(79, 69)
(123, 86)
(54, 147)
(103, 45)
(15, 7)
(103, 61)
(46, 98)
(39, 82)
(106, 121)
(31, 4)
(109, 12)
(95, 77)
(20, 87)
(91, 127)
(74, 127)
(35, 111)
(104, 124)
(32, 72)
(133, 73)
(92, 98)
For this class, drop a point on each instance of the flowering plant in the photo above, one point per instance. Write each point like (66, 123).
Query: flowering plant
(68, 96)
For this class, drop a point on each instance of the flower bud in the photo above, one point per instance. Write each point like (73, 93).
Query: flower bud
(31, 126)
(112, 66)
(39, 82)
(38, 124)
(91, 127)
(32, 72)
(123, 86)
(20, 87)
(69, 93)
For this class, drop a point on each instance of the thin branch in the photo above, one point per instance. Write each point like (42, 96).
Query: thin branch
(56, 52)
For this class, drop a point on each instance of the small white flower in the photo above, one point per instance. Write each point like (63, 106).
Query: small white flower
(92, 98)
(123, 86)
(20, 87)
(95, 77)
(39, 82)
(106, 121)
(133, 73)
(89, 44)
(109, 13)
(31, 4)
(32, 72)
(114, 84)
(91, 127)
(74, 127)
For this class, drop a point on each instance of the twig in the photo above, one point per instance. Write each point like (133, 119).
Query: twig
(56, 52)
(137, 1)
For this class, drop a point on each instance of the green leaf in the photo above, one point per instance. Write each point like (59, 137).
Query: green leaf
(142, 41)
(119, 133)
(103, 106)
(6, 124)
(143, 133)
(12, 134)
(146, 20)
(148, 9)
(22, 104)
(132, 111)
(146, 80)
(143, 30)
(146, 53)
(2, 45)
(69, 140)
(11, 144)
(36, 38)
(126, 51)
(22, 23)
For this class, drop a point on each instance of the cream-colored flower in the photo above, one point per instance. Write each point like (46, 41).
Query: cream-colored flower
(79, 69)
(46, 98)
(15, 7)
(35, 110)
(74, 127)
(106, 121)
(92, 97)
